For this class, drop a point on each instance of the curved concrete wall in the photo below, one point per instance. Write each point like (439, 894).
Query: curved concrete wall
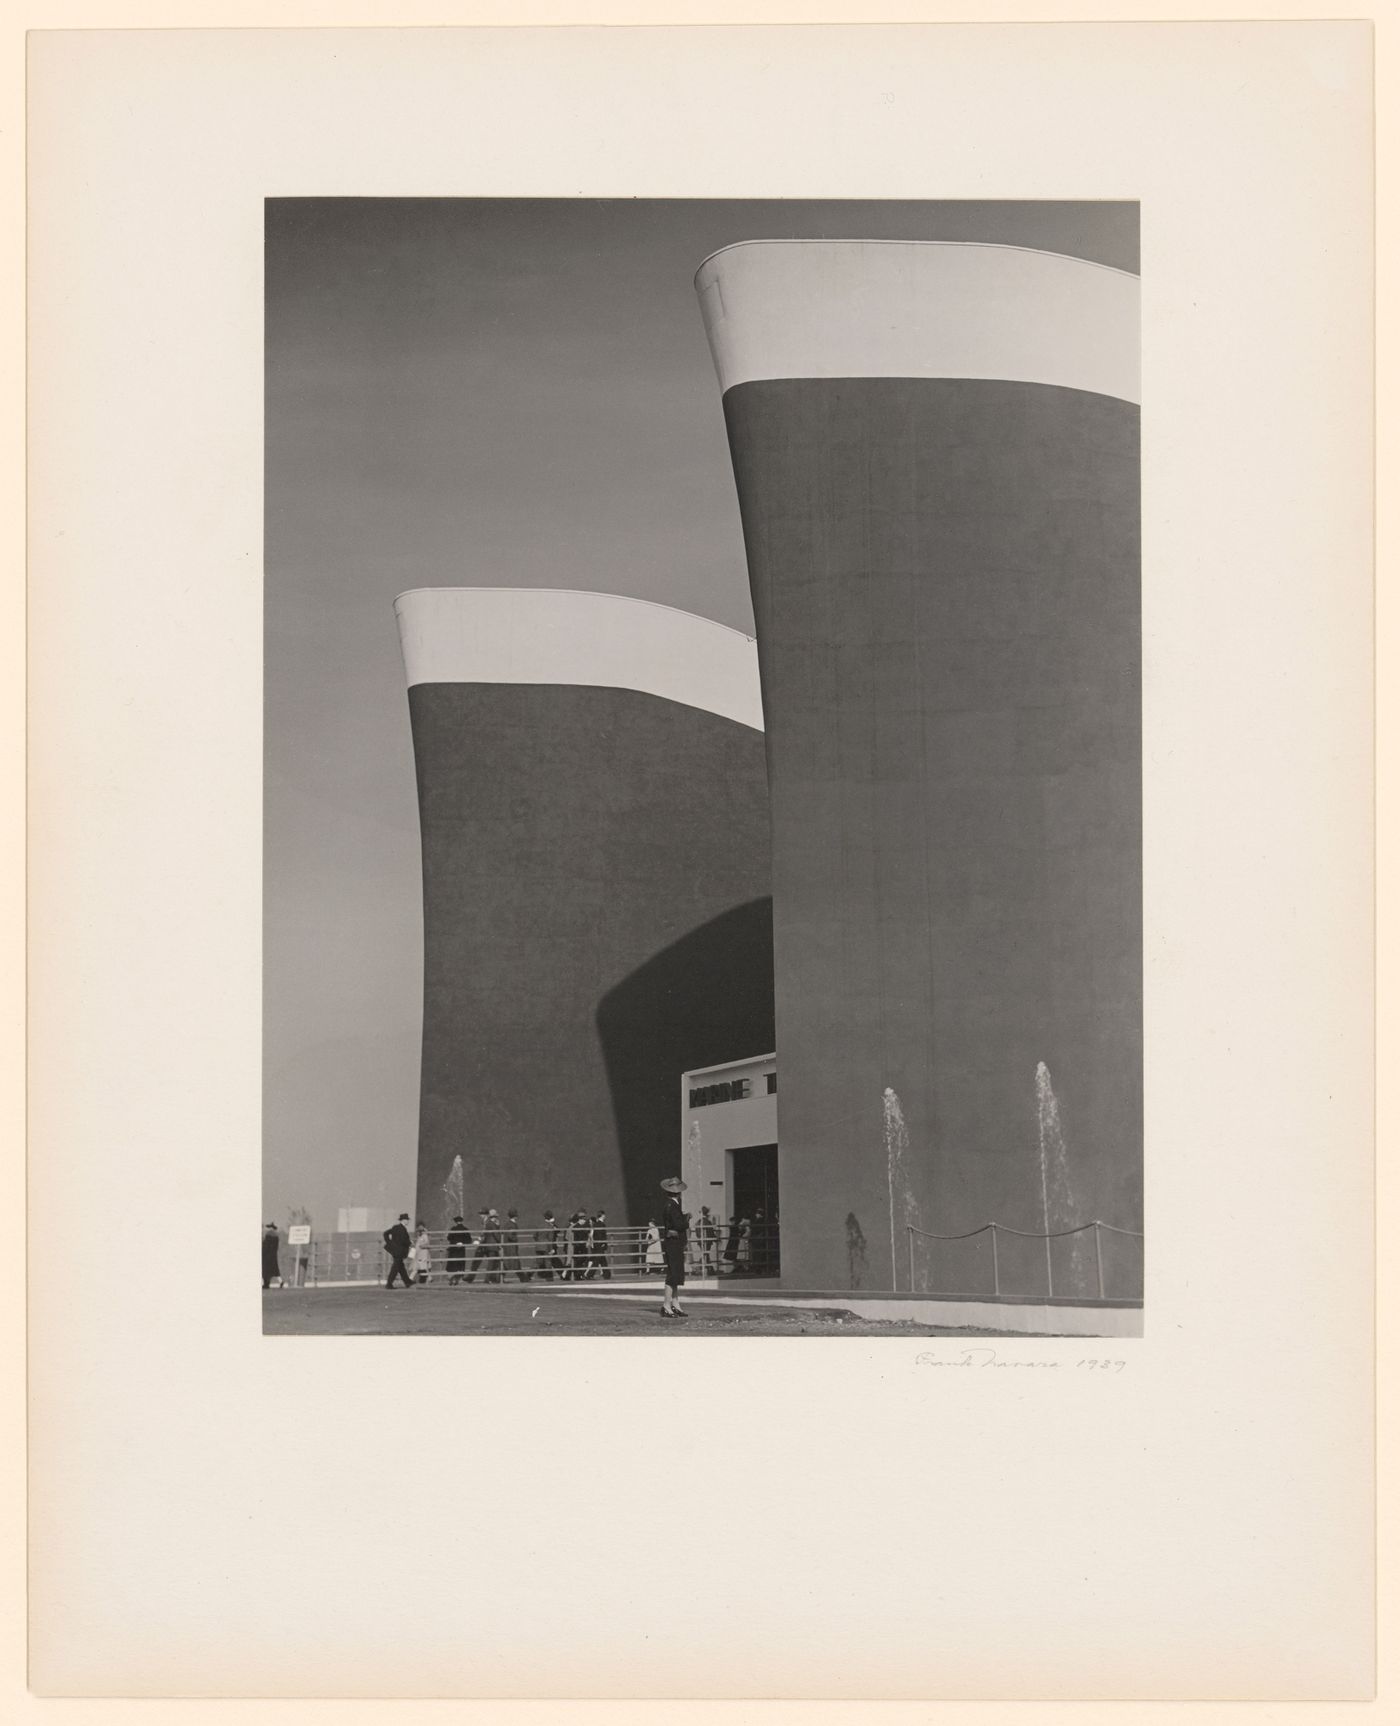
(937, 466)
(595, 880)
(919, 309)
(559, 636)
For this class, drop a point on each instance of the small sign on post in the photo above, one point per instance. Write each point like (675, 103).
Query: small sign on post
(298, 1236)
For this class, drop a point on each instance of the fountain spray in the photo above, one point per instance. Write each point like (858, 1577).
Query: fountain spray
(453, 1189)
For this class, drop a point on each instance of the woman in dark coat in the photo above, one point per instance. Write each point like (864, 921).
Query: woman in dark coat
(491, 1235)
(675, 1226)
(458, 1240)
(581, 1240)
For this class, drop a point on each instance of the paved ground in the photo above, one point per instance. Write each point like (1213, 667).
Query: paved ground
(441, 1311)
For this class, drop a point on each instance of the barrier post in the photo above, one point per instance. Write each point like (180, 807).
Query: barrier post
(996, 1268)
(1049, 1268)
(909, 1230)
(1098, 1256)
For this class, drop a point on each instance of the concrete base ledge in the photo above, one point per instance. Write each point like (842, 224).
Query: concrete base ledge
(1057, 1301)
(1043, 1318)
(1005, 1317)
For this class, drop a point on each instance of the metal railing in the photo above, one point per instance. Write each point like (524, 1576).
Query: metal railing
(722, 1252)
(528, 1255)
(993, 1229)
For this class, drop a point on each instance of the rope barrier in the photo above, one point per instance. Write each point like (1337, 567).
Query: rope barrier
(995, 1229)
(929, 1236)
(1025, 1234)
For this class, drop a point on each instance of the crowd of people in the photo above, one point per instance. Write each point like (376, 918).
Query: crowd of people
(572, 1251)
(581, 1248)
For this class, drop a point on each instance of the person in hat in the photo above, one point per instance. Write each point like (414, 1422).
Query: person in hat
(493, 1245)
(271, 1244)
(422, 1255)
(580, 1233)
(488, 1247)
(599, 1259)
(675, 1226)
(459, 1238)
(483, 1218)
(547, 1254)
(398, 1243)
(510, 1238)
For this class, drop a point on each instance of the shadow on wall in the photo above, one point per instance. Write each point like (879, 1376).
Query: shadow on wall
(856, 1258)
(706, 998)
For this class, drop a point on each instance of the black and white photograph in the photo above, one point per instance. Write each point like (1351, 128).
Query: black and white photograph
(703, 768)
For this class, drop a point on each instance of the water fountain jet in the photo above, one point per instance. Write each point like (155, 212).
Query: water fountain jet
(453, 1189)
(897, 1175)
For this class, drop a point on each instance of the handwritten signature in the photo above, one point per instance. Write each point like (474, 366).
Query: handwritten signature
(982, 1356)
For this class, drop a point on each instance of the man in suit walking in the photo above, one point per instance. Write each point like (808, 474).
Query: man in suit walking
(488, 1247)
(398, 1243)
(547, 1254)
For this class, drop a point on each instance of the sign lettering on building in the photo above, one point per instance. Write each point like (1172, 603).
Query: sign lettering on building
(727, 1091)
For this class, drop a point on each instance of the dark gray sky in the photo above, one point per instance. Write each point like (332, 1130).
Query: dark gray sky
(509, 392)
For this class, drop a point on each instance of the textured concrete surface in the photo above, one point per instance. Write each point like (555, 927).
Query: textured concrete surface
(460, 1312)
(947, 594)
(596, 921)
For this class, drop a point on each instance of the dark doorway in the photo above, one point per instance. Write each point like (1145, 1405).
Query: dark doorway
(753, 1195)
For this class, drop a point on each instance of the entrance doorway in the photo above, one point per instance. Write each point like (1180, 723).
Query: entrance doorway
(753, 1196)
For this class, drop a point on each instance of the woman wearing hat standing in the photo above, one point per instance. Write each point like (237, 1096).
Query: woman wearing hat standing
(675, 1226)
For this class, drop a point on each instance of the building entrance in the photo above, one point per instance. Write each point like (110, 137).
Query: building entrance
(753, 1197)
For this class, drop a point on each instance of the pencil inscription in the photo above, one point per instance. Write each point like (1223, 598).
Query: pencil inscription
(984, 1356)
